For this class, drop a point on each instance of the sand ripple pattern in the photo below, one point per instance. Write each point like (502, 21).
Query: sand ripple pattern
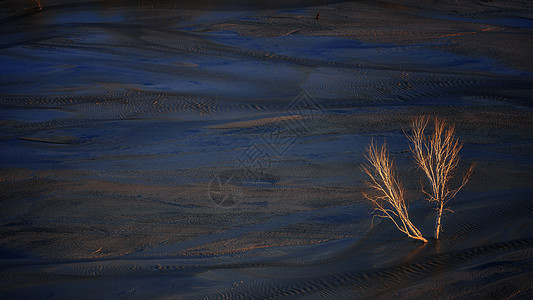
(372, 283)
(369, 87)
(124, 267)
(341, 286)
(117, 106)
(268, 283)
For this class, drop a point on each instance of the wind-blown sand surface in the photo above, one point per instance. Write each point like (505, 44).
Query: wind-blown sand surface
(212, 149)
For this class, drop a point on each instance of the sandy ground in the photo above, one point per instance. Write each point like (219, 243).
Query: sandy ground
(207, 149)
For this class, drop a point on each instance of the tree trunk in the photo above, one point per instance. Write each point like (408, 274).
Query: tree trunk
(421, 238)
(437, 223)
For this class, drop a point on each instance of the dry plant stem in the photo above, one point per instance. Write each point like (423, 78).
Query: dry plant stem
(437, 155)
(389, 201)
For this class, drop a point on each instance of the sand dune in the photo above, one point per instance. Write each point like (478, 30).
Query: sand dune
(212, 149)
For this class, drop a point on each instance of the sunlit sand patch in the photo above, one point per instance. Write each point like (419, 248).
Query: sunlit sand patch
(65, 140)
(184, 64)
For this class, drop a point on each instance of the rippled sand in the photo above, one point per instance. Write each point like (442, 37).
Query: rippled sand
(208, 149)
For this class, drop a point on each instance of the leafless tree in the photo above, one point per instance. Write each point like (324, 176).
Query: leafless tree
(388, 197)
(437, 155)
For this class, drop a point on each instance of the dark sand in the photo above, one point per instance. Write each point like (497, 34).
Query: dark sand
(208, 149)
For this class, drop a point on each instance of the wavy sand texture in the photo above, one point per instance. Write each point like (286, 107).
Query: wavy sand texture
(212, 149)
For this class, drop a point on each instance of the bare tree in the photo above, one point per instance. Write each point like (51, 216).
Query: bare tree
(437, 155)
(389, 201)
